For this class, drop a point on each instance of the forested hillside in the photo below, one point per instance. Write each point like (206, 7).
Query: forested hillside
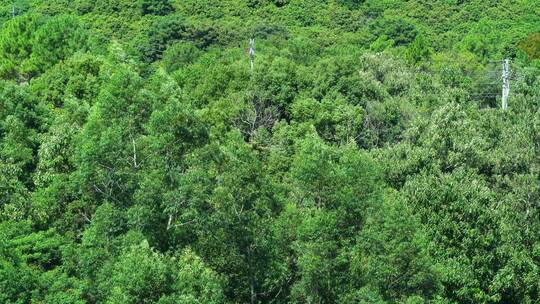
(365, 157)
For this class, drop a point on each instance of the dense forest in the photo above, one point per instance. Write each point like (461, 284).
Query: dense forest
(364, 158)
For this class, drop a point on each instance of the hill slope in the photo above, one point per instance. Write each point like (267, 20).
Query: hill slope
(364, 158)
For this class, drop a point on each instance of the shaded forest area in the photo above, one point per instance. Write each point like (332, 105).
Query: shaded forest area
(364, 159)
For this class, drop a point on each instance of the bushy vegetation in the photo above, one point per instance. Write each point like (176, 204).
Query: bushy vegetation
(364, 159)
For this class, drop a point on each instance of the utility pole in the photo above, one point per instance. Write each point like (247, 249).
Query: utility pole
(252, 52)
(13, 10)
(506, 83)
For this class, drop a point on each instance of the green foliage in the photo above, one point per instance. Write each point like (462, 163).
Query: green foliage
(32, 267)
(167, 30)
(332, 203)
(400, 30)
(382, 43)
(29, 48)
(16, 45)
(419, 50)
(363, 158)
(531, 46)
(56, 40)
(225, 192)
(391, 258)
(179, 55)
(464, 230)
(155, 7)
(141, 274)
